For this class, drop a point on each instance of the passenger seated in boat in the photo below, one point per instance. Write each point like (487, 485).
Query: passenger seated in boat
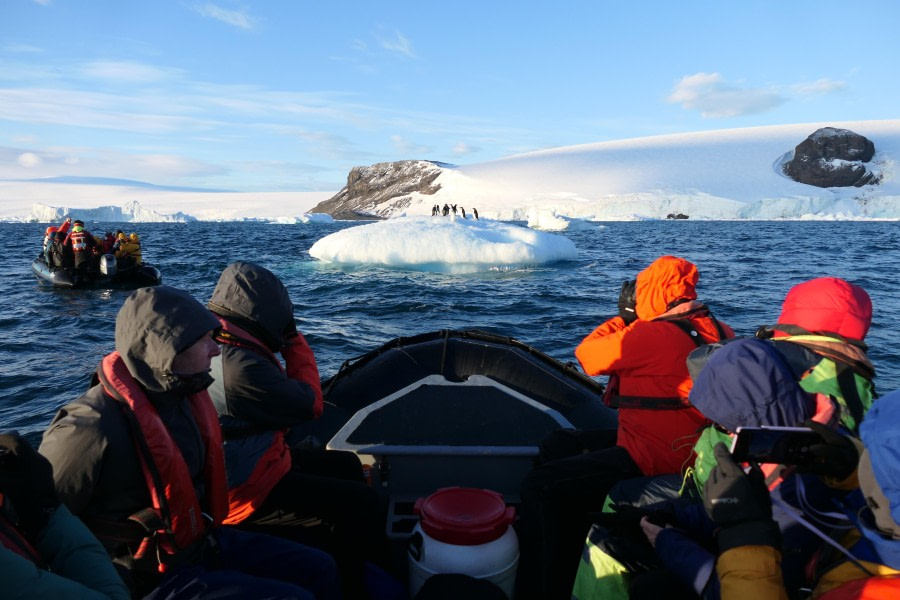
(64, 228)
(58, 253)
(643, 350)
(129, 251)
(46, 552)
(107, 243)
(275, 488)
(749, 557)
(139, 459)
(120, 236)
(83, 245)
(777, 381)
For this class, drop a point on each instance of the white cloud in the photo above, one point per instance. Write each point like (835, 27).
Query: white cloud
(29, 160)
(15, 48)
(121, 70)
(329, 145)
(398, 44)
(167, 166)
(235, 18)
(42, 2)
(409, 149)
(462, 149)
(818, 87)
(19, 163)
(359, 45)
(99, 110)
(710, 94)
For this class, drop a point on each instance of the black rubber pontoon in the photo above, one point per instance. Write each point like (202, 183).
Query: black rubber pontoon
(455, 408)
(142, 275)
(456, 355)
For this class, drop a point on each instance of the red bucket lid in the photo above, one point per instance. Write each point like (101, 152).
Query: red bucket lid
(464, 516)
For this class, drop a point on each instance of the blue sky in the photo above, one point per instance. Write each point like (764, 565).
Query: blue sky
(288, 96)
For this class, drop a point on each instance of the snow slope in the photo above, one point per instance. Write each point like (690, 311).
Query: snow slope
(724, 174)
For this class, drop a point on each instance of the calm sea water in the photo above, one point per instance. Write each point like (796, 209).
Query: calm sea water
(52, 340)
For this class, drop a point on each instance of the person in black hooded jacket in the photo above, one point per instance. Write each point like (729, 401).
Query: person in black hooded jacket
(273, 487)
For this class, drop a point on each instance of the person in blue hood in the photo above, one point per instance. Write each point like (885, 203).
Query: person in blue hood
(866, 565)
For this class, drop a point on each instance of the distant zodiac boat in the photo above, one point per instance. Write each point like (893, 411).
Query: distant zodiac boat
(109, 275)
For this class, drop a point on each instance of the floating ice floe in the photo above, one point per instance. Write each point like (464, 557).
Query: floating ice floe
(443, 244)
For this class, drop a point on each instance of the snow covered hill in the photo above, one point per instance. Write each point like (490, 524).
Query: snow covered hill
(724, 174)
(729, 174)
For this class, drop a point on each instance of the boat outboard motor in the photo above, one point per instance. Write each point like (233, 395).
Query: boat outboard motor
(108, 265)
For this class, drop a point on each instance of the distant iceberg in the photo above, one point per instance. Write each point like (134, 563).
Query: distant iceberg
(130, 212)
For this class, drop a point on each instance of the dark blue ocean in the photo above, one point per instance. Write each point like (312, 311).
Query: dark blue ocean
(52, 340)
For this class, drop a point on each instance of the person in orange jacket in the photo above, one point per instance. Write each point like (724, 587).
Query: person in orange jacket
(643, 350)
(63, 229)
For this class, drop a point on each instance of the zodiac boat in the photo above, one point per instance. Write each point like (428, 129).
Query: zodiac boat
(453, 408)
(108, 275)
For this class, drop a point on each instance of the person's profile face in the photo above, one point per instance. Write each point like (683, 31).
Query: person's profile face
(197, 357)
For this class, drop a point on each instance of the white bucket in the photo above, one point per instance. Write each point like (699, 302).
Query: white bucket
(464, 530)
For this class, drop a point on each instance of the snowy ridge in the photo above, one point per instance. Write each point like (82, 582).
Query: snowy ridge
(725, 174)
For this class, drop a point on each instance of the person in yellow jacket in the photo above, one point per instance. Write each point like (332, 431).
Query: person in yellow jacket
(129, 251)
(863, 565)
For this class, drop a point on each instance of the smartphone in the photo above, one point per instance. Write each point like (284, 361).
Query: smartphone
(778, 445)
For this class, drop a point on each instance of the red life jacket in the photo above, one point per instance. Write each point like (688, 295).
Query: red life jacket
(165, 471)
(79, 241)
(15, 542)
(246, 497)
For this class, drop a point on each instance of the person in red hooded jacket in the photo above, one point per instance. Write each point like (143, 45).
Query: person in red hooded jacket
(643, 350)
(820, 332)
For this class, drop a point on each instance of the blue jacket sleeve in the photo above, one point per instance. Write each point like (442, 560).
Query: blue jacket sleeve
(79, 564)
(690, 562)
(692, 517)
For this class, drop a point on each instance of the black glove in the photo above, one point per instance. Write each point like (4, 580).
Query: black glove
(837, 456)
(739, 504)
(26, 478)
(290, 330)
(627, 301)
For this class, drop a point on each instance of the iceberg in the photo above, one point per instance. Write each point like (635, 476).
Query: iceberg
(447, 244)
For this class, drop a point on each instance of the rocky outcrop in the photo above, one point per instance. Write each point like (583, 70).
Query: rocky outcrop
(832, 157)
(379, 190)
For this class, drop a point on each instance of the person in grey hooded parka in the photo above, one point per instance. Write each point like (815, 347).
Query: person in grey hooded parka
(138, 457)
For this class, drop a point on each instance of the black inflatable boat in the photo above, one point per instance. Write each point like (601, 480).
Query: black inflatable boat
(453, 408)
(108, 275)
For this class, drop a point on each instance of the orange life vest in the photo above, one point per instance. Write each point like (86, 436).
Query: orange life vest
(165, 471)
(246, 497)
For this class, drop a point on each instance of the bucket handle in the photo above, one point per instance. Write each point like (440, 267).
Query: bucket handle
(416, 546)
